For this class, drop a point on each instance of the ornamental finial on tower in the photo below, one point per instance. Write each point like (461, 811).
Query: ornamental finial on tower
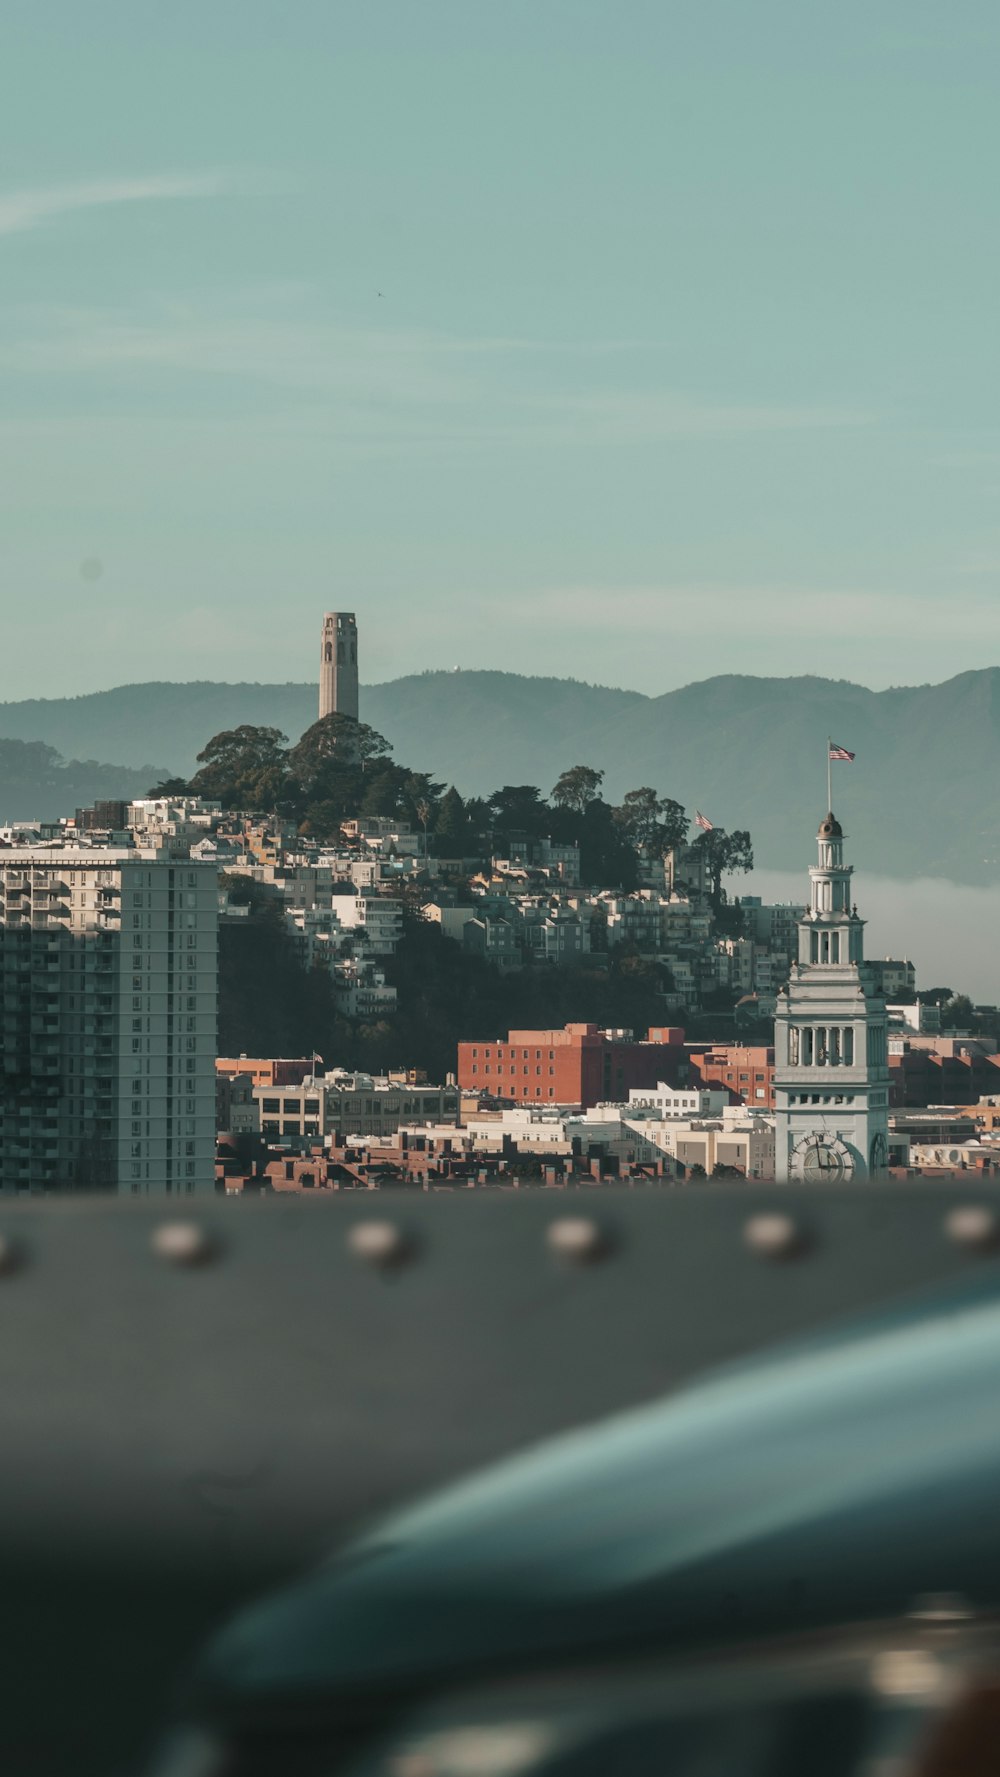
(830, 827)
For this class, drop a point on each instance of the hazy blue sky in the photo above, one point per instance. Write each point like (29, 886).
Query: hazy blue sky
(685, 359)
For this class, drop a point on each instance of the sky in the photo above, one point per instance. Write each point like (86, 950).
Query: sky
(633, 343)
(905, 919)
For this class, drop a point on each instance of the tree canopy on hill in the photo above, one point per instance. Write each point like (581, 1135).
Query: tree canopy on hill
(341, 768)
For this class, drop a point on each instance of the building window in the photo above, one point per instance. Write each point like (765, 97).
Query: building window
(849, 1047)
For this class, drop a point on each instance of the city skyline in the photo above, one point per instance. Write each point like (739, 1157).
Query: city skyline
(534, 336)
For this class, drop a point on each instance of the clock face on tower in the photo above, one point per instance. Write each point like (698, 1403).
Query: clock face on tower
(821, 1159)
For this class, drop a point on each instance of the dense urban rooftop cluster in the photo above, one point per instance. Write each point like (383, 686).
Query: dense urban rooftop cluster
(345, 905)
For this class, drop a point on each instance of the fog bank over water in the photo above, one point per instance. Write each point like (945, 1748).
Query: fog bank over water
(950, 932)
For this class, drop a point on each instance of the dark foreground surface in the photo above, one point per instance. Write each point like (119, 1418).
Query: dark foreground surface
(180, 1433)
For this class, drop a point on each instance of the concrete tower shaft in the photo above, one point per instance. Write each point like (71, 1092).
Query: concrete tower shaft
(338, 669)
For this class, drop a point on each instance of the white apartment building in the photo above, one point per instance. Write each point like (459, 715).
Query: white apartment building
(108, 995)
(172, 824)
(376, 916)
(738, 1138)
(385, 834)
(677, 1101)
(361, 990)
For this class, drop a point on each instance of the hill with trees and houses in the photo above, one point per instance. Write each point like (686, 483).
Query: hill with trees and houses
(923, 797)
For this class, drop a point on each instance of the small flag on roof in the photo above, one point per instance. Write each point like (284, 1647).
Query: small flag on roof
(841, 753)
(702, 821)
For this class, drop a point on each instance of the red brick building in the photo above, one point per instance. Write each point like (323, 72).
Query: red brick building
(747, 1072)
(927, 1070)
(579, 1065)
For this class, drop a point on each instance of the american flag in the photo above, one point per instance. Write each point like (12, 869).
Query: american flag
(703, 822)
(840, 753)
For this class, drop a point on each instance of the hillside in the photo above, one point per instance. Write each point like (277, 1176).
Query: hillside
(923, 797)
(36, 784)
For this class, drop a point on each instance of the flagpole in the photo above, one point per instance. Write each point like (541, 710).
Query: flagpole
(829, 774)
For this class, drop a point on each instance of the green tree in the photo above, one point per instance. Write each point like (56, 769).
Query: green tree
(607, 860)
(577, 788)
(451, 827)
(959, 1014)
(169, 786)
(518, 808)
(242, 767)
(335, 740)
(269, 1004)
(724, 852)
(328, 771)
(655, 824)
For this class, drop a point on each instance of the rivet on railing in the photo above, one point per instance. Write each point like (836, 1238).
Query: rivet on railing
(12, 1256)
(579, 1240)
(773, 1236)
(184, 1243)
(381, 1243)
(972, 1225)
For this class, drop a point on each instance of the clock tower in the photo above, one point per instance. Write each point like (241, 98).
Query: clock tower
(831, 1064)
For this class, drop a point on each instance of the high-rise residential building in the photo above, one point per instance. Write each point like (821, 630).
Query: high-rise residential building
(831, 1074)
(338, 669)
(108, 997)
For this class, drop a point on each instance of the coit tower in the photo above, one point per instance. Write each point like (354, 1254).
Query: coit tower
(338, 665)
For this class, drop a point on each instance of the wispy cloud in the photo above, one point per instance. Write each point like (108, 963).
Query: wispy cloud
(21, 210)
(408, 387)
(681, 610)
